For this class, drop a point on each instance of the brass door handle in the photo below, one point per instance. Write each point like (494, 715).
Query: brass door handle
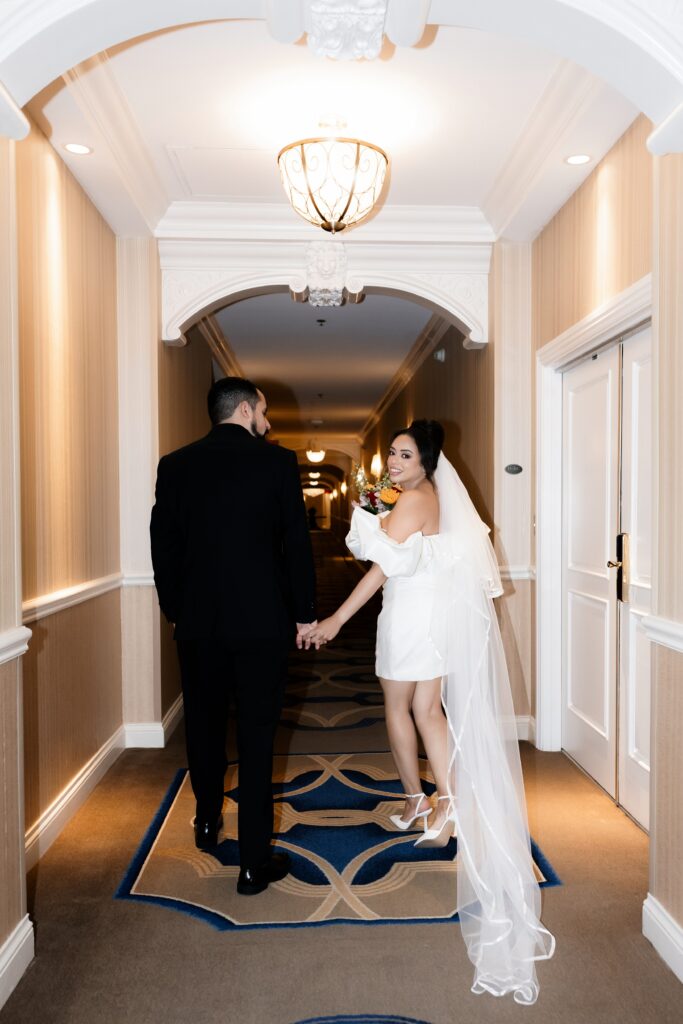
(614, 565)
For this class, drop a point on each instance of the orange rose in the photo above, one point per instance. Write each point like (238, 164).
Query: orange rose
(388, 496)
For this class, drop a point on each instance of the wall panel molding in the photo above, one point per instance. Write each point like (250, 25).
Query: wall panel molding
(42, 834)
(16, 953)
(13, 643)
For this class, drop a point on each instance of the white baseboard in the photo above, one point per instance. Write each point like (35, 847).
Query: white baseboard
(665, 934)
(526, 728)
(154, 734)
(42, 834)
(16, 953)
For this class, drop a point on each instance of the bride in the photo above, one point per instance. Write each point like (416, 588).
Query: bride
(439, 647)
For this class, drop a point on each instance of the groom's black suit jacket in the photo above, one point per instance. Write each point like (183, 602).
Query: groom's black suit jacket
(230, 543)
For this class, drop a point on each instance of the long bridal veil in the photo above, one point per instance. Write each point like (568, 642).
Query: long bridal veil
(498, 896)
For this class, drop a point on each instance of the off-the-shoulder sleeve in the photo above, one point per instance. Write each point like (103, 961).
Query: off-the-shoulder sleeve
(367, 541)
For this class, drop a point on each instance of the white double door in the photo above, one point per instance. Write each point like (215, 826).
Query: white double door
(607, 518)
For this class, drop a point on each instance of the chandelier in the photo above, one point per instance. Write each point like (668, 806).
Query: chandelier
(332, 183)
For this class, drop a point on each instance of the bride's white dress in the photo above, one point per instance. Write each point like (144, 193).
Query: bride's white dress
(405, 647)
(438, 619)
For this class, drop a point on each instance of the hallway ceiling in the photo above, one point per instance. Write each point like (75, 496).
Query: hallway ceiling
(309, 371)
(200, 112)
(185, 126)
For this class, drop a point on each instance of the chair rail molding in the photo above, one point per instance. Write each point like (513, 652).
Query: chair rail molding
(213, 254)
(58, 600)
(14, 643)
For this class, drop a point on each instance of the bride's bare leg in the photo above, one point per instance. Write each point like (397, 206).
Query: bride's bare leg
(398, 698)
(433, 728)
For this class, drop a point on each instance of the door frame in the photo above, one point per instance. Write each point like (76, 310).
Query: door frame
(617, 316)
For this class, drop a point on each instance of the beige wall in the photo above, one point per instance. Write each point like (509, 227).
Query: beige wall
(600, 242)
(12, 873)
(667, 723)
(69, 468)
(184, 380)
(72, 695)
(67, 329)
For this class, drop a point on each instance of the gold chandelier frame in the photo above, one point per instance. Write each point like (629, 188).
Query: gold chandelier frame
(329, 202)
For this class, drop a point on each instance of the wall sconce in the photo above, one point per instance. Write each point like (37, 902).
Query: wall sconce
(376, 465)
(344, 487)
(335, 493)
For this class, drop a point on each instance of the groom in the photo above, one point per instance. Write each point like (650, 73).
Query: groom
(233, 568)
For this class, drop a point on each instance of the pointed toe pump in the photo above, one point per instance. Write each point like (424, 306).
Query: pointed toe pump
(434, 838)
(404, 825)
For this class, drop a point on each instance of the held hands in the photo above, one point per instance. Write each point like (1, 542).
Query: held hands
(322, 632)
(303, 629)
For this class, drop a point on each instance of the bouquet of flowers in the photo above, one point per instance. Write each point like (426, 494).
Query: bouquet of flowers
(378, 497)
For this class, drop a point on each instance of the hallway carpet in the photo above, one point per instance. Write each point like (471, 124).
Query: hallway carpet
(106, 961)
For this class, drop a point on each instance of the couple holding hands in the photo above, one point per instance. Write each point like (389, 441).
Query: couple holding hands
(233, 565)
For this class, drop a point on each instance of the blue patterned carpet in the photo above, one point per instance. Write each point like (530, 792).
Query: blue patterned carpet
(335, 788)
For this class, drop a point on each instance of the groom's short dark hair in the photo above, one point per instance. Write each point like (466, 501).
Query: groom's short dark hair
(225, 395)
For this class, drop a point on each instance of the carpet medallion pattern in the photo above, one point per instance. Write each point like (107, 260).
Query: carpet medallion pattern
(349, 863)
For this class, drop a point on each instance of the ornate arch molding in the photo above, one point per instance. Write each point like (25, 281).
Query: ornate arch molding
(198, 277)
(636, 46)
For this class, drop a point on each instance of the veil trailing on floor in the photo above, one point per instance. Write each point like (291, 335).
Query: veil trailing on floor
(499, 901)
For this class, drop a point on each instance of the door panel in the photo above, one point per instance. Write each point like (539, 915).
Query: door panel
(590, 513)
(636, 521)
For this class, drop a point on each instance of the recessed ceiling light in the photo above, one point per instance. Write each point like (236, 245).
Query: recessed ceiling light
(578, 158)
(77, 148)
(317, 423)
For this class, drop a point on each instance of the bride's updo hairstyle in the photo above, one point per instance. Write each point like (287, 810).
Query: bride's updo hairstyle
(428, 436)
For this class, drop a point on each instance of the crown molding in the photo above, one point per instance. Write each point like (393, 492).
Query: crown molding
(228, 221)
(95, 90)
(428, 339)
(568, 97)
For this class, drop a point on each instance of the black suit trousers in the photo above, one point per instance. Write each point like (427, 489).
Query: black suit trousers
(213, 669)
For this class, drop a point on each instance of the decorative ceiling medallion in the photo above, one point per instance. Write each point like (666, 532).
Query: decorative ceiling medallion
(325, 281)
(326, 273)
(346, 30)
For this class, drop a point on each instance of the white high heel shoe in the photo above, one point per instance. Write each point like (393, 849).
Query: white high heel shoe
(439, 837)
(400, 822)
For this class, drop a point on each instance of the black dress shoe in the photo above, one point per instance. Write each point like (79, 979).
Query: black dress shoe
(206, 833)
(254, 880)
